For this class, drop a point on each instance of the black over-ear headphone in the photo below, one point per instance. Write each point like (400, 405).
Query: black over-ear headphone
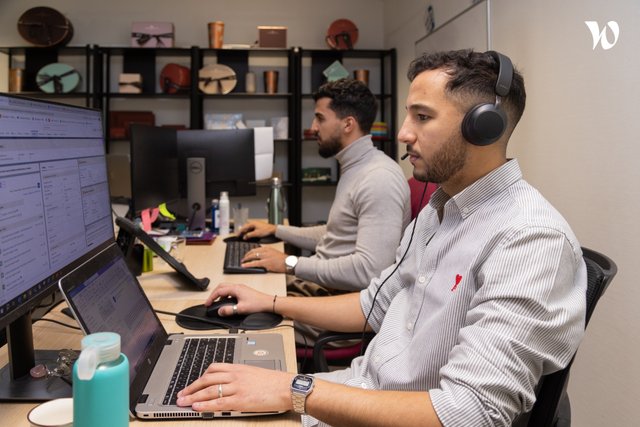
(485, 123)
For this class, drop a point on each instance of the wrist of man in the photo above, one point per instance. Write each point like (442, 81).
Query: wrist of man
(290, 263)
(301, 387)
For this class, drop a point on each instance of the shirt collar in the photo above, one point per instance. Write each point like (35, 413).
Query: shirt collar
(476, 194)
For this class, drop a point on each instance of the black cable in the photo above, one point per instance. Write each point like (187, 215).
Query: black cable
(375, 296)
(66, 325)
(198, 318)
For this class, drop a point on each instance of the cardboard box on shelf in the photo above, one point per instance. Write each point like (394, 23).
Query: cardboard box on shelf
(152, 34)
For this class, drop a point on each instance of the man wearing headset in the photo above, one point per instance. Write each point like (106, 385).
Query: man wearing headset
(487, 293)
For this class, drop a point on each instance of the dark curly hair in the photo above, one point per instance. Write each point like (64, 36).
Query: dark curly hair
(350, 97)
(472, 80)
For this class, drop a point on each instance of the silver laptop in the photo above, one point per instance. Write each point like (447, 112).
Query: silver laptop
(105, 296)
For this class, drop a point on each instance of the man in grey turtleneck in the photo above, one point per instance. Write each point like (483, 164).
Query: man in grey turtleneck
(368, 215)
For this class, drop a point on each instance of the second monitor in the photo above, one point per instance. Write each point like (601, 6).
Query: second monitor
(212, 161)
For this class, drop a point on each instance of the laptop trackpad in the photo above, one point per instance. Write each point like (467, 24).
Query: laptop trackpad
(267, 364)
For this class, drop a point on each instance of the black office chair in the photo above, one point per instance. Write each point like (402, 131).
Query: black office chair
(552, 407)
(338, 356)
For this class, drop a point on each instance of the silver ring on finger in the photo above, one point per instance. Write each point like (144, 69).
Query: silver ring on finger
(220, 391)
(258, 255)
(235, 309)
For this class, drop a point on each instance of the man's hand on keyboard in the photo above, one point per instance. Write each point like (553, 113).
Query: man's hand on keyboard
(225, 387)
(267, 257)
(257, 229)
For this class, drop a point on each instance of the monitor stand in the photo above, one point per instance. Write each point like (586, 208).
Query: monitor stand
(196, 189)
(16, 384)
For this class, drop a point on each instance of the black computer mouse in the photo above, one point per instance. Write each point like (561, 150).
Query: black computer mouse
(212, 310)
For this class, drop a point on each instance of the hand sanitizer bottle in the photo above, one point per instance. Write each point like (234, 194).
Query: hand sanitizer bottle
(224, 213)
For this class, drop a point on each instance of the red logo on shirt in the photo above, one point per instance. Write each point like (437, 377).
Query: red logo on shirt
(458, 279)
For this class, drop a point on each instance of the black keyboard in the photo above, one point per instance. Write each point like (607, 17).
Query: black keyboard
(197, 354)
(233, 256)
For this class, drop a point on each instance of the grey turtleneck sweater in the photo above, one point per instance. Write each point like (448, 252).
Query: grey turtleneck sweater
(368, 215)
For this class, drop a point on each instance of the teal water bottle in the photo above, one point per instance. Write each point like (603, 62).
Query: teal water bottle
(101, 383)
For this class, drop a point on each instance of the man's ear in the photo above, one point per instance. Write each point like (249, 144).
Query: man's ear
(349, 124)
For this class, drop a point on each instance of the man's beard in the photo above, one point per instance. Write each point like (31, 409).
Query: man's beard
(445, 163)
(330, 147)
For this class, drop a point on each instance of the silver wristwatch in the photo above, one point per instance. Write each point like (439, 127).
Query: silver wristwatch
(301, 387)
(290, 263)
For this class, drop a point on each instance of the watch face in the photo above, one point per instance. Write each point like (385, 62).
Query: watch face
(291, 261)
(302, 383)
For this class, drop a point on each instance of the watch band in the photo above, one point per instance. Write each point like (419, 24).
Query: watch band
(299, 401)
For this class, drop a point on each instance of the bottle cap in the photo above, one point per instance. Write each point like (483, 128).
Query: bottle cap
(224, 195)
(97, 348)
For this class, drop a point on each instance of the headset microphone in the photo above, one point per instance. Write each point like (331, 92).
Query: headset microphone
(404, 156)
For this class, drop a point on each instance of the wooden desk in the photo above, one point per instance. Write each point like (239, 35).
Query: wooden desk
(167, 292)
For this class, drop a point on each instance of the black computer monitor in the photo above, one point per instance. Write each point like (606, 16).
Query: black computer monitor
(55, 214)
(154, 167)
(227, 157)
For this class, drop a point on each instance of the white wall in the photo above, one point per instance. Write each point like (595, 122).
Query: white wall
(577, 144)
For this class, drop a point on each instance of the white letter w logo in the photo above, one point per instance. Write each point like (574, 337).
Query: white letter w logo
(601, 36)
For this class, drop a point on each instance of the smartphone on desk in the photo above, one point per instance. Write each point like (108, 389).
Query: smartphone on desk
(192, 234)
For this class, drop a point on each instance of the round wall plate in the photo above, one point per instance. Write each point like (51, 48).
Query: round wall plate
(216, 79)
(45, 27)
(342, 34)
(57, 78)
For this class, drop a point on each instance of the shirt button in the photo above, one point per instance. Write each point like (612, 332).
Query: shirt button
(422, 279)
(363, 385)
(409, 325)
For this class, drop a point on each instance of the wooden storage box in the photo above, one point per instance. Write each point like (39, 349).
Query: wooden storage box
(275, 37)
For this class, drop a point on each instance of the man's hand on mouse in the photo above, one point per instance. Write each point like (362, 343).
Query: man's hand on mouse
(257, 229)
(267, 257)
(249, 300)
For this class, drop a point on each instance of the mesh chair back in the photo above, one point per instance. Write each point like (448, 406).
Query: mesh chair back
(552, 388)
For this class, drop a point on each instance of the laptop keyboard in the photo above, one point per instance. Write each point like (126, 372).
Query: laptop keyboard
(233, 256)
(197, 354)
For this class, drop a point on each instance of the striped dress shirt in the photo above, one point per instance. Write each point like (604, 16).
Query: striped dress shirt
(486, 301)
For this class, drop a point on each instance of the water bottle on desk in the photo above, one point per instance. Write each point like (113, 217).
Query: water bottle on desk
(276, 203)
(101, 383)
(215, 216)
(224, 214)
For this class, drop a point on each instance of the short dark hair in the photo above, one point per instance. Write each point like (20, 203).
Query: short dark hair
(472, 79)
(350, 97)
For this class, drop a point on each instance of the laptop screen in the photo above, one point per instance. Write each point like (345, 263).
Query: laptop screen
(106, 297)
